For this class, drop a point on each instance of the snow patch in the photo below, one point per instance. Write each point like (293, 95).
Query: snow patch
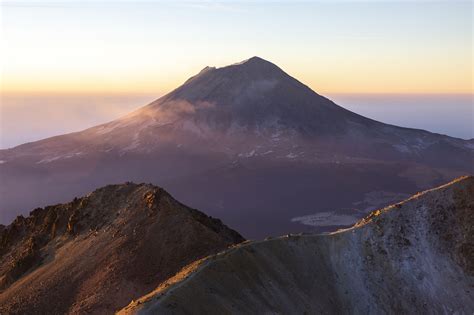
(247, 155)
(135, 144)
(469, 145)
(402, 148)
(59, 157)
(105, 129)
(329, 218)
(276, 136)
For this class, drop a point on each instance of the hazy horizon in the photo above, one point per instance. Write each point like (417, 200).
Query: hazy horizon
(68, 65)
(236, 156)
(35, 116)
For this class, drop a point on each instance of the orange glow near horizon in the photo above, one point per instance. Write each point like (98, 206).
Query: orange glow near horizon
(340, 47)
(323, 80)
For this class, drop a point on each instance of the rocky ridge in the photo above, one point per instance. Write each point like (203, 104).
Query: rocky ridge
(97, 253)
(412, 257)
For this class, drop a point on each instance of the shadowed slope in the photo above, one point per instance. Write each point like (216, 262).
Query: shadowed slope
(412, 257)
(228, 141)
(97, 253)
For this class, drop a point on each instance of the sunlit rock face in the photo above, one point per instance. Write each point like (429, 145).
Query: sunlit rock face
(412, 257)
(98, 252)
(242, 141)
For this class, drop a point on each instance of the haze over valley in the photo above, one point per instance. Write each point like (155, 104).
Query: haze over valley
(236, 157)
(244, 140)
(23, 116)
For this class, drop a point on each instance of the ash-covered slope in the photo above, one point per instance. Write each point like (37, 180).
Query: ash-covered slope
(413, 257)
(256, 96)
(252, 105)
(228, 141)
(97, 253)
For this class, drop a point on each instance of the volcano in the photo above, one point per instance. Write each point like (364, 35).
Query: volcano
(247, 143)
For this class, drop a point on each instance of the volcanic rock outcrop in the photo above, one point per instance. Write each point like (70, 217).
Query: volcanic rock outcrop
(97, 253)
(413, 257)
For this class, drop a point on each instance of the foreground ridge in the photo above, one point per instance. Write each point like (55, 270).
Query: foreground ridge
(98, 252)
(415, 256)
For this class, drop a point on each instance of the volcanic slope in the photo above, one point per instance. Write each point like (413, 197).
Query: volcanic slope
(412, 257)
(242, 141)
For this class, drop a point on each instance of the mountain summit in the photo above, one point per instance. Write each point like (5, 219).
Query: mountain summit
(255, 94)
(245, 140)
